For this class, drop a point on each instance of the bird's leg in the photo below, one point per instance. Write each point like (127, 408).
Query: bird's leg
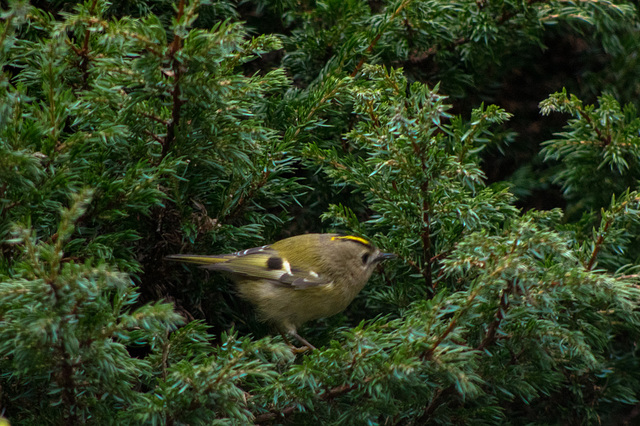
(304, 341)
(308, 346)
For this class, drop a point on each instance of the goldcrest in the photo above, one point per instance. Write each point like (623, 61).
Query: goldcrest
(298, 279)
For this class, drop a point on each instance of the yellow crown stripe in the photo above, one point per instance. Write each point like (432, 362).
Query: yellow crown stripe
(353, 238)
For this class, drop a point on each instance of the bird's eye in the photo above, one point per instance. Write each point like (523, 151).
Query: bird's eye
(365, 258)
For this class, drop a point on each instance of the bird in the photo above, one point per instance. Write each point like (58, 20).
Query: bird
(297, 279)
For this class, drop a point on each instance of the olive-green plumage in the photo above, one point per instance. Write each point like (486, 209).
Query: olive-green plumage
(298, 279)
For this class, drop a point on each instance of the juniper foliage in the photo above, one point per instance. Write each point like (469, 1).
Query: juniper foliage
(131, 130)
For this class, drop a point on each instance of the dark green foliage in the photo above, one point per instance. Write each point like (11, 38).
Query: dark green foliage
(600, 149)
(131, 130)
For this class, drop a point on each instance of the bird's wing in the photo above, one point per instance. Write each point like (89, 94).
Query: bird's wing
(258, 263)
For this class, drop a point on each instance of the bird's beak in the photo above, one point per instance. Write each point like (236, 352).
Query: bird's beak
(385, 256)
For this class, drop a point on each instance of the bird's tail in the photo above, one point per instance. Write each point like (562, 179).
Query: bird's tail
(198, 259)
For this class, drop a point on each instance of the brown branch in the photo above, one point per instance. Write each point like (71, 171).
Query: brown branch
(597, 246)
(626, 277)
(426, 234)
(412, 263)
(507, 15)
(432, 51)
(176, 93)
(375, 40)
(249, 195)
(606, 140)
(66, 382)
(149, 45)
(430, 408)
(372, 114)
(369, 49)
(155, 118)
(426, 220)
(327, 396)
(83, 52)
(154, 136)
(428, 353)
(452, 324)
(490, 337)
(343, 389)
(601, 237)
(267, 417)
(313, 110)
(165, 357)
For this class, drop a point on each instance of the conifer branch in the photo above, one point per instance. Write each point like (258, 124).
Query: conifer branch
(327, 395)
(433, 404)
(241, 203)
(505, 17)
(490, 336)
(605, 140)
(598, 245)
(155, 118)
(426, 236)
(615, 210)
(325, 97)
(84, 52)
(80, 338)
(451, 326)
(7, 25)
(176, 93)
(66, 382)
(375, 40)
